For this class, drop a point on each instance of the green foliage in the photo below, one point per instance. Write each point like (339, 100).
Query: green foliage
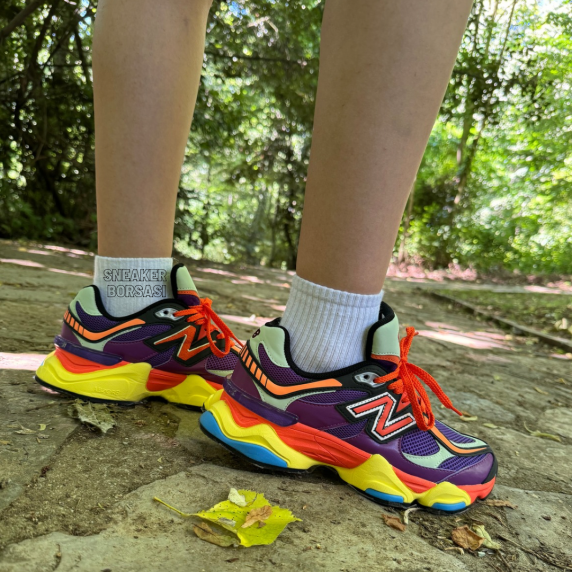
(494, 189)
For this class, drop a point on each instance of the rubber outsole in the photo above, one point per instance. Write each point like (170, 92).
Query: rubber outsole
(125, 385)
(262, 457)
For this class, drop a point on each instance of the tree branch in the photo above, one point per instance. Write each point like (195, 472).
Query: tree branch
(19, 18)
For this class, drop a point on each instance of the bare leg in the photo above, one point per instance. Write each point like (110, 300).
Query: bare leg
(384, 69)
(147, 58)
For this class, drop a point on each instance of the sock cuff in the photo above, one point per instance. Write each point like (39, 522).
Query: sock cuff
(112, 261)
(324, 294)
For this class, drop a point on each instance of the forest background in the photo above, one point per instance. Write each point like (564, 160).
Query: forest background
(493, 193)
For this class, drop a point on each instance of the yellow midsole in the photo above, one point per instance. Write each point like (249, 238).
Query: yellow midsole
(124, 383)
(376, 473)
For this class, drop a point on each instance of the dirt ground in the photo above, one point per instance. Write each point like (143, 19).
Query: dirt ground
(72, 499)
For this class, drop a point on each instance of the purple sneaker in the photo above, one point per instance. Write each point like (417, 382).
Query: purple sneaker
(176, 349)
(371, 422)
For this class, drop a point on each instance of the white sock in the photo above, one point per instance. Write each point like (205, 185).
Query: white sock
(328, 328)
(128, 285)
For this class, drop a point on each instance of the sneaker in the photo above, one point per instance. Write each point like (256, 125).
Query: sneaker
(175, 349)
(372, 422)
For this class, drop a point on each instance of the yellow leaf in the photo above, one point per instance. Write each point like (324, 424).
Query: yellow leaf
(42, 427)
(541, 390)
(205, 532)
(252, 535)
(490, 425)
(543, 435)
(488, 542)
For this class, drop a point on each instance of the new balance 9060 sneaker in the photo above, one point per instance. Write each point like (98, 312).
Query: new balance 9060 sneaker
(176, 349)
(371, 422)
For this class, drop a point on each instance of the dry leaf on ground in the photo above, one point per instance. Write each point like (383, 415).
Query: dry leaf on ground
(464, 537)
(456, 549)
(235, 497)
(488, 542)
(24, 431)
(490, 425)
(394, 522)
(259, 515)
(498, 502)
(543, 435)
(468, 418)
(205, 532)
(408, 512)
(94, 414)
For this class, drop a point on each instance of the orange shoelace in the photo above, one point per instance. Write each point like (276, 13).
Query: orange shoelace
(203, 315)
(407, 378)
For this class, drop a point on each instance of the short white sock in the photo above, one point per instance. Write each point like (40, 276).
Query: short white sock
(328, 328)
(128, 285)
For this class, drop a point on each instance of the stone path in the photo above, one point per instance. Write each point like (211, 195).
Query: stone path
(71, 499)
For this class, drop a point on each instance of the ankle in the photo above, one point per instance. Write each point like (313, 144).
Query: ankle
(328, 328)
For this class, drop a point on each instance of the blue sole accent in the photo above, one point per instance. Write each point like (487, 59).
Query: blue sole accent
(254, 452)
(449, 507)
(384, 496)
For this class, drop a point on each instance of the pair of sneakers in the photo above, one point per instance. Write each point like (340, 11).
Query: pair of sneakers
(372, 422)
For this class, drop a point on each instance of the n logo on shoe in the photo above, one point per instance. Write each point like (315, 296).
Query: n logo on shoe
(383, 407)
(187, 348)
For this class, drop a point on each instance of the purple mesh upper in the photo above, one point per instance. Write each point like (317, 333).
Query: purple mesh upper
(93, 323)
(226, 363)
(334, 397)
(347, 431)
(142, 333)
(451, 434)
(458, 463)
(419, 443)
(280, 375)
(161, 358)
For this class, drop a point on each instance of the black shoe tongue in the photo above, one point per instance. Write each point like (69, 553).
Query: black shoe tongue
(383, 339)
(184, 288)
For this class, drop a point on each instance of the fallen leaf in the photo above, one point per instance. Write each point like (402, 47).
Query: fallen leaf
(499, 502)
(541, 390)
(24, 431)
(259, 514)
(394, 522)
(236, 498)
(456, 548)
(562, 381)
(93, 414)
(407, 513)
(205, 532)
(180, 513)
(490, 425)
(278, 518)
(488, 542)
(5, 442)
(543, 435)
(464, 537)
(467, 417)
(42, 427)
